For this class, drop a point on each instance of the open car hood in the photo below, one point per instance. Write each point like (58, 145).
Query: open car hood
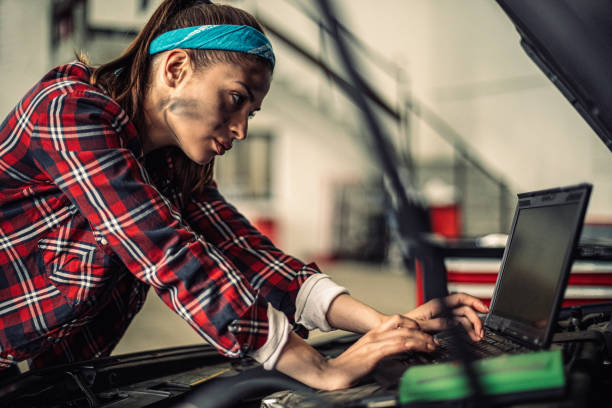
(189, 376)
(571, 42)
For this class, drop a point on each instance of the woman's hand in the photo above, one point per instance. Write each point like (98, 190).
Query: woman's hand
(463, 308)
(385, 335)
(397, 334)
(350, 314)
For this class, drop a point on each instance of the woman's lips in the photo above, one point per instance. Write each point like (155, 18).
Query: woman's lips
(220, 148)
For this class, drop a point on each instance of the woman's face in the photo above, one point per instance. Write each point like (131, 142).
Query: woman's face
(204, 111)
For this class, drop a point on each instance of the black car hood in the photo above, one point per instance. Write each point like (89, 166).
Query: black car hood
(571, 42)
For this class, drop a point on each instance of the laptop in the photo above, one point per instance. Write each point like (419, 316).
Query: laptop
(536, 264)
(530, 285)
(534, 272)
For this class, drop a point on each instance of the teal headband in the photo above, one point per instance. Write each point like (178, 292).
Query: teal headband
(241, 38)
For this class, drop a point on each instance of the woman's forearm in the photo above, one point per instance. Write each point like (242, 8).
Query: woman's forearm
(349, 314)
(301, 361)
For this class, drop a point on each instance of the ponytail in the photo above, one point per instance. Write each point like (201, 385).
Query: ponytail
(126, 78)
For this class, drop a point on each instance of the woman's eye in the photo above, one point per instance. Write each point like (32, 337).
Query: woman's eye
(238, 99)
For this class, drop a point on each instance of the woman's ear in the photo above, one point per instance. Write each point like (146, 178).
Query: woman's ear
(176, 67)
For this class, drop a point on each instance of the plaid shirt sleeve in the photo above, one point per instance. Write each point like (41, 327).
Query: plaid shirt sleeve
(77, 143)
(276, 275)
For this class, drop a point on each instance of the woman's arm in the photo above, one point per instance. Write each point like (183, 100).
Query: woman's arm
(350, 314)
(347, 313)
(302, 362)
(277, 276)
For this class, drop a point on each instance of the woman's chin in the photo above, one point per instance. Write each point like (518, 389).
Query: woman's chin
(201, 156)
(201, 159)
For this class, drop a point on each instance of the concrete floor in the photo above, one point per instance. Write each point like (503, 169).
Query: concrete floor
(387, 289)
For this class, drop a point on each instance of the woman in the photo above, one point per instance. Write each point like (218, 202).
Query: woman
(106, 190)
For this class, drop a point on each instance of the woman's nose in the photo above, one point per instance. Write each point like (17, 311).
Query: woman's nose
(239, 125)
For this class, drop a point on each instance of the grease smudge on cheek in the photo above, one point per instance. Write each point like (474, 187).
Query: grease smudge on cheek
(185, 108)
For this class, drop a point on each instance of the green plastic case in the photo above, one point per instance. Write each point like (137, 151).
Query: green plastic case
(507, 374)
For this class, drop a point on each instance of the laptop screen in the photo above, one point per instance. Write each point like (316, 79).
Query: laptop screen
(534, 263)
(537, 262)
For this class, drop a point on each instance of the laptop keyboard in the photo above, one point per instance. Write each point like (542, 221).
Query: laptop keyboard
(491, 345)
(390, 369)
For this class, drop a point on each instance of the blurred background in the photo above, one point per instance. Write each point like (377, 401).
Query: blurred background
(471, 119)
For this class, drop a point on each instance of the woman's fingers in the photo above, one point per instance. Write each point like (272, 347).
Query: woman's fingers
(402, 334)
(396, 341)
(464, 315)
(460, 305)
(463, 299)
(470, 321)
(427, 310)
(389, 347)
(435, 307)
(436, 324)
(397, 321)
(475, 332)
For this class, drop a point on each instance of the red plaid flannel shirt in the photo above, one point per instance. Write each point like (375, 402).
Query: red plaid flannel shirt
(84, 233)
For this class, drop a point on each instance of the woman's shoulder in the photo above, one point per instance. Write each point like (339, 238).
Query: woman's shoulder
(76, 71)
(67, 85)
(66, 91)
(66, 103)
(72, 80)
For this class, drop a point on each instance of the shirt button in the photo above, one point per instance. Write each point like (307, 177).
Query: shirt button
(103, 241)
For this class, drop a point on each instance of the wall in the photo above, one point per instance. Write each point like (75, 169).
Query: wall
(460, 58)
(24, 48)
(312, 155)
(464, 60)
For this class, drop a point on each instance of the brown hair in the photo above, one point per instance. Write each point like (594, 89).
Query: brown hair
(126, 78)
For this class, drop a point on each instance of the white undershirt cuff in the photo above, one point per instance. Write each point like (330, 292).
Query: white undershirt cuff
(278, 334)
(313, 300)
